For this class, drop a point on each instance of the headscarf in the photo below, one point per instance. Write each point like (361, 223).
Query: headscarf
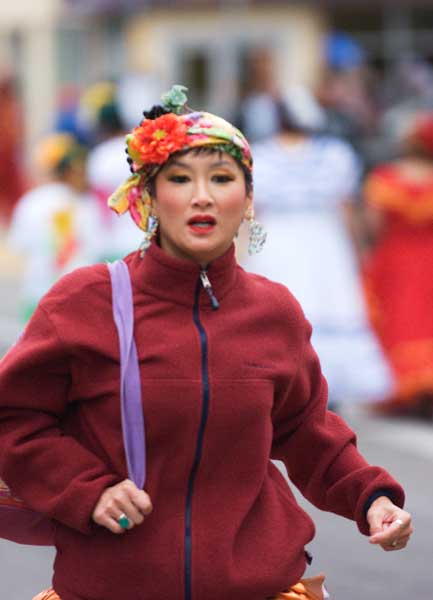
(56, 151)
(170, 128)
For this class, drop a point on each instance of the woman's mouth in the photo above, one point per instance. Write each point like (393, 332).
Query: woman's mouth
(202, 223)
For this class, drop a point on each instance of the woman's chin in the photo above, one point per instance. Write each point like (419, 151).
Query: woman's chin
(196, 248)
(203, 253)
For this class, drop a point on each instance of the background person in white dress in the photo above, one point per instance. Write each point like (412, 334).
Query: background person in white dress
(304, 187)
(56, 226)
(106, 165)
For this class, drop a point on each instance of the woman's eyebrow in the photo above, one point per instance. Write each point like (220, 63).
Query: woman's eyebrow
(215, 165)
(222, 163)
(178, 163)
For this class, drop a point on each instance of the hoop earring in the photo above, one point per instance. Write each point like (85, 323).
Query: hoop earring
(257, 236)
(152, 228)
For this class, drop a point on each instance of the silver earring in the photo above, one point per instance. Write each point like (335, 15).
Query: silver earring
(257, 236)
(152, 227)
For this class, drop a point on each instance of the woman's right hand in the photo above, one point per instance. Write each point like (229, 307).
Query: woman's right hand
(122, 499)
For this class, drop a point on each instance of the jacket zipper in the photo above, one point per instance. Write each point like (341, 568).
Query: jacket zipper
(200, 436)
(208, 289)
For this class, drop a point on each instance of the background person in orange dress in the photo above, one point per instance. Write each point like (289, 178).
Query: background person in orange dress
(399, 268)
(11, 176)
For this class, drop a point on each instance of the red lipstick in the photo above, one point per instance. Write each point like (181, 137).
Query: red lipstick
(202, 223)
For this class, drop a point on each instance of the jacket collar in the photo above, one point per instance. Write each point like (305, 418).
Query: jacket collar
(168, 278)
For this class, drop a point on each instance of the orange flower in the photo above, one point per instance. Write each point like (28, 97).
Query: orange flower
(155, 140)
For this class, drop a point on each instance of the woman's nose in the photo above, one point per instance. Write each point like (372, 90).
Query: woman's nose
(201, 195)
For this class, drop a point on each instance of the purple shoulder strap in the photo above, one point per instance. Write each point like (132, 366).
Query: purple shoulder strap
(130, 385)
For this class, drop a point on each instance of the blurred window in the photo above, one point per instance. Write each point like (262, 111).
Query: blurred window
(360, 18)
(91, 51)
(195, 66)
(388, 33)
(219, 73)
(256, 66)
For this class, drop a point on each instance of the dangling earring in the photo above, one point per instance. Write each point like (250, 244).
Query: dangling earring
(257, 235)
(152, 228)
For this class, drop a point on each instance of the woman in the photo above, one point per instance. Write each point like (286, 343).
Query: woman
(399, 210)
(229, 381)
(313, 219)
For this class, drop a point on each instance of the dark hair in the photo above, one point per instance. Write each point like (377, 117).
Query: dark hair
(76, 153)
(109, 118)
(217, 149)
(156, 111)
(286, 119)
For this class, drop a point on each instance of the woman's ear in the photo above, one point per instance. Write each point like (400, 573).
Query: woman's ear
(153, 211)
(249, 209)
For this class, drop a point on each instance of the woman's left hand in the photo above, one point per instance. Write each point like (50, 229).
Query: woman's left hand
(390, 526)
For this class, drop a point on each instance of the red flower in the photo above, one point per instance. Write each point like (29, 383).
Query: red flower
(155, 140)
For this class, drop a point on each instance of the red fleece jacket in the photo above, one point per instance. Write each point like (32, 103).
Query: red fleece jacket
(223, 392)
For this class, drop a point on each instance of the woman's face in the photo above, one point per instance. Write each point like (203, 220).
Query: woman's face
(200, 201)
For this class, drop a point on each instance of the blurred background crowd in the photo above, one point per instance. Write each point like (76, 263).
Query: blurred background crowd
(337, 100)
(336, 97)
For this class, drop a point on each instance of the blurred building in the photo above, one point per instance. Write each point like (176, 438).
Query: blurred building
(388, 30)
(201, 43)
(28, 47)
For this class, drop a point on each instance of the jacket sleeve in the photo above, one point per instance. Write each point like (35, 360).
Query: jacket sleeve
(319, 449)
(52, 472)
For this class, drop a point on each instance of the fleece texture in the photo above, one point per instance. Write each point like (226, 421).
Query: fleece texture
(224, 392)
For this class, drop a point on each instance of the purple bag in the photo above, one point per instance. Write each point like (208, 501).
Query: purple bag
(20, 524)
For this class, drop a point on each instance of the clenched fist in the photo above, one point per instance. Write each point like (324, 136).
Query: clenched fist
(123, 499)
(390, 526)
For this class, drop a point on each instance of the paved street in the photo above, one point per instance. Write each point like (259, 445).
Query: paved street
(10, 272)
(355, 570)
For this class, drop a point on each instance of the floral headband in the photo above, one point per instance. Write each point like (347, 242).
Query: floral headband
(152, 143)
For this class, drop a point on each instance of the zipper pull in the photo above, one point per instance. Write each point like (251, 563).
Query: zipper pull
(207, 286)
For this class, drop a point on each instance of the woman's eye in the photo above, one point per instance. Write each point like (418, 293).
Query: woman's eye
(178, 178)
(222, 178)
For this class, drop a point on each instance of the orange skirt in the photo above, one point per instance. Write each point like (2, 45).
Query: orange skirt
(312, 588)
(47, 595)
(306, 589)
